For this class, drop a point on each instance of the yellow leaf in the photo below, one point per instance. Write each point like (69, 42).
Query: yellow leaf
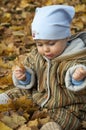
(6, 80)
(80, 8)
(24, 127)
(18, 33)
(50, 2)
(7, 65)
(79, 25)
(14, 120)
(2, 48)
(4, 127)
(83, 18)
(24, 3)
(17, 28)
(84, 124)
(6, 18)
(23, 102)
(6, 107)
(44, 120)
(1, 91)
(33, 123)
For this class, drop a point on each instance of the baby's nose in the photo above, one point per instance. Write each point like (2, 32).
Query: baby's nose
(45, 48)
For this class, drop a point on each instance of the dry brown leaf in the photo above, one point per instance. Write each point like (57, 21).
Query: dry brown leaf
(16, 28)
(14, 120)
(7, 49)
(84, 124)
(4, 127)
(2, 48)
(5, 65)
(6, 81)
(34, 128)
(6, 17)
(23, 102)
(24, 127)
(39, 114)
(24, 3)
(50, 2)
(3, 72)
(44, 120)
(10, 48)
(6, 107)
(18, 33)
(18, 62)
(33, 123)
(80, 8)
(79, 25)
(26, 115)
(83, 18)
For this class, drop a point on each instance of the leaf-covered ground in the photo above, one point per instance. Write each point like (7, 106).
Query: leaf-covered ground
(15, 40)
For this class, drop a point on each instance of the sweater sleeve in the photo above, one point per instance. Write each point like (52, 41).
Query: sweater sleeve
(29, 63)
(30, 80)
(75, 82)
(72, 84)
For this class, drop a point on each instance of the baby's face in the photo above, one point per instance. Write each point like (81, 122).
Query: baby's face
(51, 48)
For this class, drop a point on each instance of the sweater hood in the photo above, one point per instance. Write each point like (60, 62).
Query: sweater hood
(74, 47)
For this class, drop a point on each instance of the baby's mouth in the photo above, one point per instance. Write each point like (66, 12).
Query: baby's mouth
(50, 56)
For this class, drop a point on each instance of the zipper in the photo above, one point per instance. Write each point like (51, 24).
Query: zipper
(48, 82)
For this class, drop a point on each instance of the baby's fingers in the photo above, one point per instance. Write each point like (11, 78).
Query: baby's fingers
(17, 68)
(21, 77)
(79, 74)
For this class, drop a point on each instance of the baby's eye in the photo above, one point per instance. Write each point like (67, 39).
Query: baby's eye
(51, 43)
(39, 44)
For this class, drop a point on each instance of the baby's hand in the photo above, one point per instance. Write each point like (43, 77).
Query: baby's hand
(79, 74)
(19, 73)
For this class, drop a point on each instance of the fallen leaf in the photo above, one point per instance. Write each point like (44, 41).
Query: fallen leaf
(6, 81)
(39, 114)
(24, 127)
(33, 123)
(44, 120)
(84, 124)
(80, 8)
(14, 120)
(4, 127)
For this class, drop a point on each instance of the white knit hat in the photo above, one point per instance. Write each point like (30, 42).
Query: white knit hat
(52, 22)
